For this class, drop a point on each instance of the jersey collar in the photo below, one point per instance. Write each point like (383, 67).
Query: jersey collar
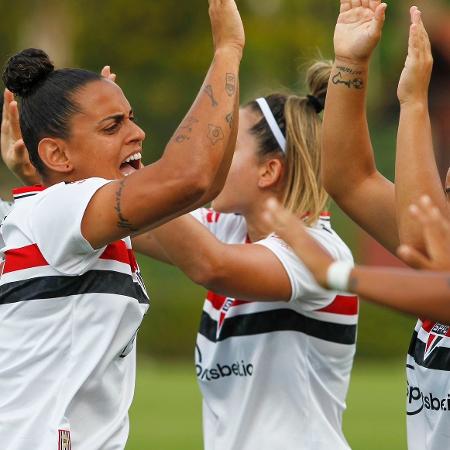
(26, 191)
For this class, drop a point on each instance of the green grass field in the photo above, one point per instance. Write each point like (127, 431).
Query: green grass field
(166, 414)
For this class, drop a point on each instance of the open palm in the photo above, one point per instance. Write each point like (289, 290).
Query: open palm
(358, 29)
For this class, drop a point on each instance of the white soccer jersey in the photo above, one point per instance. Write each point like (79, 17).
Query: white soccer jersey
(68, 319)
(274, 375)
(428, 391)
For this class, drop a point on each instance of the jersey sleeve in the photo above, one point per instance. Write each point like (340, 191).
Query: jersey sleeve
(55, 222)
(207, 217)
(304, 287)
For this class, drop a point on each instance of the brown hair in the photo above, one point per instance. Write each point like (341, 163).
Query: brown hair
(299, 120)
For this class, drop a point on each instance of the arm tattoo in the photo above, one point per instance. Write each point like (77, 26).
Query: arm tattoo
(352, 284)
(215, 134)
(210, 94)
(356, 83)
(229, 119)
(122, 222)
(230, 84)
(185, 129)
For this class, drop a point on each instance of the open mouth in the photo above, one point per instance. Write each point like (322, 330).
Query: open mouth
(131, 164)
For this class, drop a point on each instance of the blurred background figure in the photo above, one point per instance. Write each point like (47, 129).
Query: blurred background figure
(282, 37)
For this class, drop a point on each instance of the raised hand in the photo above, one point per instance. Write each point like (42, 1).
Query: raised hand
(13, 150)
(358, 29)
(436, 231)
(415, 77)
(226, 24)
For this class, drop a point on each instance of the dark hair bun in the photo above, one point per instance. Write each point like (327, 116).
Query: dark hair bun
(24, 71)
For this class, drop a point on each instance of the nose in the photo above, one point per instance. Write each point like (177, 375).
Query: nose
(137, 134)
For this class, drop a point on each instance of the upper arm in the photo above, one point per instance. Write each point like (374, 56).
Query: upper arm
(371, 204)
(143, 200)
(248, 271)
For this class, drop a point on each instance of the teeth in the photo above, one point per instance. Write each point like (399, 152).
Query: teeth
(134, 157)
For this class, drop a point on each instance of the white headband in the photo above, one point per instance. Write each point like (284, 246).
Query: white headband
(268, 115)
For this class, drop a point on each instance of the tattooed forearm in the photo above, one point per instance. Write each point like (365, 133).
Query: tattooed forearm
(122, 222)
(230, 84)
(185, 129)
(210, 94)
(229, 119)
(215, 134)
(355, 82)
(349, 70)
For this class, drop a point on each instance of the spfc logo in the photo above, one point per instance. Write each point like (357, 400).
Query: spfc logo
(436, 335)
(64, 440)
(227, 304)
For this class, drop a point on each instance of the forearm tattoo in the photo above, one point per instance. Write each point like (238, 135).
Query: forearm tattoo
(210, 94)
(229, 119)
(122, 222)
(215, 134)
(230, 84)
(185, 129)
(348, 77)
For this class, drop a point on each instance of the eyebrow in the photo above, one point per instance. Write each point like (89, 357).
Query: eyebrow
(116, 117)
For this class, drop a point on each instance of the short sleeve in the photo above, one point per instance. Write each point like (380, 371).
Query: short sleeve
(55, 223)
(304, 286)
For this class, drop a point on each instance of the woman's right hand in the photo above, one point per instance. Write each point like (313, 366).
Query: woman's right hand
(226, 24)
(358, 29)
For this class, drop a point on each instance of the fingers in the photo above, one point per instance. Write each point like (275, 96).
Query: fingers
(428, 214)
(14, 121)
(106, 73)
(376, 26)
(413, 258)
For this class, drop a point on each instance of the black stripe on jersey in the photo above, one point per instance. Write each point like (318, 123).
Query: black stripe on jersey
(92, 282)
(277, 320)
(438, 359)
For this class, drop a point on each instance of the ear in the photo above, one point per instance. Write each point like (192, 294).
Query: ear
(270, 173)
(54, 155)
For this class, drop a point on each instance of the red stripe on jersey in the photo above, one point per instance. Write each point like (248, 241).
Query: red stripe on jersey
(23, 258)
(218, 301)
(28, 189)
(346, 305)
(118, 251)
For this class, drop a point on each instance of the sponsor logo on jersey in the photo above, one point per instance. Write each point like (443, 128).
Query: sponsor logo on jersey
(218, 371)
(436, 335)
(418, 400)
(64, 440)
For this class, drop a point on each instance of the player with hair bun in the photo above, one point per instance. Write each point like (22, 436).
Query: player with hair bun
(71, 296)
(274, 350)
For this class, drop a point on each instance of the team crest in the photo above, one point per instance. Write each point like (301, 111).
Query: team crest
(227, 304)
(64, 440)
(436, 335)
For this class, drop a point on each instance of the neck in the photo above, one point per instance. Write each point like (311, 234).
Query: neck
(255, 229)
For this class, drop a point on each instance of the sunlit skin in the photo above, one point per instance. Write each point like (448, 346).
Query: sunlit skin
(103, 134)
(251, 180)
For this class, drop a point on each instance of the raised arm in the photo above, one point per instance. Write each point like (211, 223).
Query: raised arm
(416, 172)
(421, 294)
(195, 162)
(348, 166)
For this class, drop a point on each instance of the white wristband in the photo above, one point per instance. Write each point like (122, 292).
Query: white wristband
(338, 275)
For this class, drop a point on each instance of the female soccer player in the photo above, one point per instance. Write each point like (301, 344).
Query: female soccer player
(350, 176)
(274, 350)
(71, 297)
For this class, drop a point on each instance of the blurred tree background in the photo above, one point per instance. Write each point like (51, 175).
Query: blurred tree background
(161, 51)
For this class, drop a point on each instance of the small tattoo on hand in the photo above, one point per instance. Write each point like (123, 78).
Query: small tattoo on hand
(215, 134)
(210, 94)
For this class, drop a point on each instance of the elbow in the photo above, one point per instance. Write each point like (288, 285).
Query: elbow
(208, 274)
